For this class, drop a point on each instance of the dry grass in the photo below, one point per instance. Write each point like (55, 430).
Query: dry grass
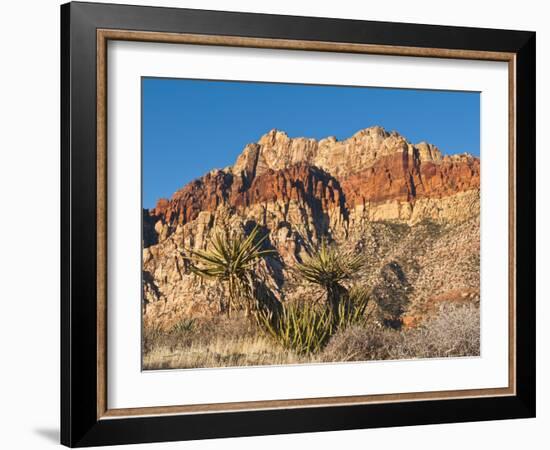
(214, 343)
(222, 353)
(453, 332)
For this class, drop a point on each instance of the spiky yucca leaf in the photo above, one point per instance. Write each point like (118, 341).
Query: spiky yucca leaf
(302, 328)
(231, 260)
(354, 309)
(306, 328)
(328, 266)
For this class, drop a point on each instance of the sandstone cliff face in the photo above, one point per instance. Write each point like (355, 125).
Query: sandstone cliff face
(356, 191)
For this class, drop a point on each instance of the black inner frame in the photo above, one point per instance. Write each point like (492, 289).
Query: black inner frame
(79, 423)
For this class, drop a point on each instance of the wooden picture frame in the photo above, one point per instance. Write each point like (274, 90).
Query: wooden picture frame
(86, 418)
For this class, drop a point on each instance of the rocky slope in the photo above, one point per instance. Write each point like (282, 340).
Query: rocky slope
(412, 211)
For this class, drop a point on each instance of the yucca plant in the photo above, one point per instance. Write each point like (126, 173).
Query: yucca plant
(183, 326)
(302, 328)
(231, 258)
(353, 309)
(305, 327)
(328, 267)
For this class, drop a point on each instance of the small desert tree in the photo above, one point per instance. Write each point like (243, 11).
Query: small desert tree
(231, 258)
(329, 267)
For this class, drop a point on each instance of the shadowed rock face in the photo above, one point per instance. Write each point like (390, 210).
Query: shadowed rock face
(300, 190)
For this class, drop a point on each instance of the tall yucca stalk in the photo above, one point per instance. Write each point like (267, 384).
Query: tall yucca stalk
(328, 267)
(230, 258)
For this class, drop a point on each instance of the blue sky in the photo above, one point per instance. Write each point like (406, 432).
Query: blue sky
(193, 126)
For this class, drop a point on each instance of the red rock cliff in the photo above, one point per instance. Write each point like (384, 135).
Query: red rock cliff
(375, 192)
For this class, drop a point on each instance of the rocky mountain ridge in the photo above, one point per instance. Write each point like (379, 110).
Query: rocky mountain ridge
(354, 191)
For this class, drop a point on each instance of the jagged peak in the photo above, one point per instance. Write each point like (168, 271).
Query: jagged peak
(276, 131)
(328, 139)
(432, 152)
(375, 130)
(276, 150)
(369, 131)
(273, 135)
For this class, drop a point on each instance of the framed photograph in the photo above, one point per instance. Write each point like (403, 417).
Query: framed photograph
(276, 224)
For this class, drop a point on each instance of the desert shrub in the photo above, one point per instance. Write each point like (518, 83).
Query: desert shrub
(453, 332)
(184, 326)
(179, 335)
(360, 343)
